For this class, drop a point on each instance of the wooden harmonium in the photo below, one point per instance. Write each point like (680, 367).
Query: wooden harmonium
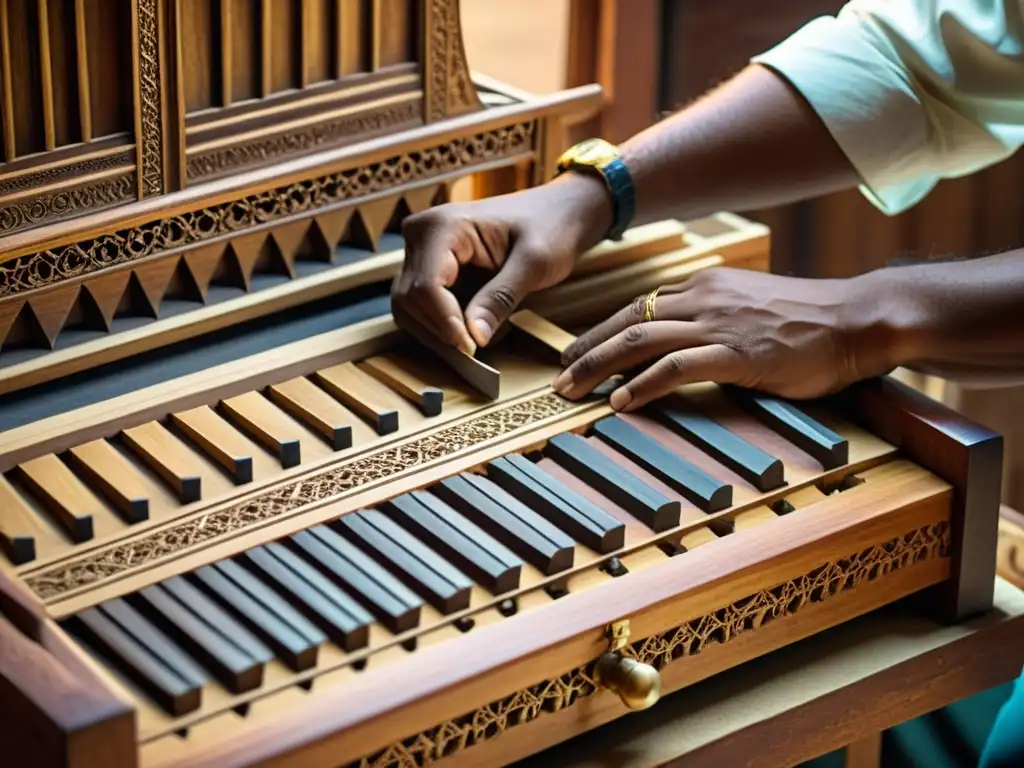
(341, 554)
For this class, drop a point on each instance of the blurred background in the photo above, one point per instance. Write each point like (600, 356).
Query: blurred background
(654, 56)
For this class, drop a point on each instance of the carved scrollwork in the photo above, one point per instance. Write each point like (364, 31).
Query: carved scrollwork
(40, 269)
(296, 142)
(330, 483)
(685, 641)
(66, 203)
(69, 172)
(151, 141)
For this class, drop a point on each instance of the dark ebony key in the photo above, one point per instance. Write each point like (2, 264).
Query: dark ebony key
(514, 525)
(440, 583)
(764, 472)
(559, 504)
(459, 540)
(291, 647)
(155, 641)
(236, 669)
(336, 612)
(809, 435)
(608, 478)
(380, 592)
(709, 494)
(176, 695)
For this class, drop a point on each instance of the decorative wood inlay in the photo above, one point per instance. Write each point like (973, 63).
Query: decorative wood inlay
(684, 641)
(65, 203)
(334, 481)
(238, 155)
(40, 269)
(447, 85)
(150, 140)
(73, 170)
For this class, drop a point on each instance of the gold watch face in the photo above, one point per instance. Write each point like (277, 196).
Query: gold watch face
(593, 152)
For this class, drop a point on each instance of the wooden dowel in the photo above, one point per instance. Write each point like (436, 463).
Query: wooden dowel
(306, 32)
(266, 20)
(10, 149)
(82, 54)
(46, 70)
(226, 29)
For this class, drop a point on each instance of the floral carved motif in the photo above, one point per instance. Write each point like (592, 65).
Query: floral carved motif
(296, 142)
(687, 640)
(66, 203)
(151, 140)
(38, 270)
(332, 482)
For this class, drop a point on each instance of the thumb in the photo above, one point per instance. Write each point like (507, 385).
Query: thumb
(498, 299)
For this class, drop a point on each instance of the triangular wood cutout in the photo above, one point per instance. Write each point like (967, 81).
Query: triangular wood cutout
(183, 285)
(328, 229)
(25, 332)
(85, 314)
(107, 292)
(203, 263)
(134, 302)
(369, 222)
(420, 199)
(246, 250)
(8, 313)
(291, 242)
(154, 278)
(400, 214)
(51, 309)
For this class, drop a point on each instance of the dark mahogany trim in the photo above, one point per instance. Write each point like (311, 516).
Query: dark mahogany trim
(964, 454)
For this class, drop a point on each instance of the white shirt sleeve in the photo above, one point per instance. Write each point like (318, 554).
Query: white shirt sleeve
(913, 91)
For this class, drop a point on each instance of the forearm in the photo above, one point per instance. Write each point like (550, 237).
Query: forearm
(963, 321)
(751, 143)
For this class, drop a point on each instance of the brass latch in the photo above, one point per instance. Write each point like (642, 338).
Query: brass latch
(637, 685)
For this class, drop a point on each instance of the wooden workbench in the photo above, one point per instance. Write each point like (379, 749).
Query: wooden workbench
(842, 687)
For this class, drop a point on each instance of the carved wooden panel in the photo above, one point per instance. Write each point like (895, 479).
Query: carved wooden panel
(66, 114)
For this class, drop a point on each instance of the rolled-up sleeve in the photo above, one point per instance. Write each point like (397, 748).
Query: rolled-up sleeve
(913, 91)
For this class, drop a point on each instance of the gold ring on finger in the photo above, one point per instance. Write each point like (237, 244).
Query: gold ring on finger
(649, 305)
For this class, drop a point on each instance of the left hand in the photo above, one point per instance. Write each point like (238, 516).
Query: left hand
(791, 337)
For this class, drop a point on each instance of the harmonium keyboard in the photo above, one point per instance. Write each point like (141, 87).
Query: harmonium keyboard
(246, 519)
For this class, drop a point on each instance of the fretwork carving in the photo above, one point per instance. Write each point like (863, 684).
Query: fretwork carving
(332, 482)
(66, 203)
(44, 268)
(150, 142)
(674, 645)
(73, 170)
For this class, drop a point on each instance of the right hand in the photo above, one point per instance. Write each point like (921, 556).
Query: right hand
(530, 239)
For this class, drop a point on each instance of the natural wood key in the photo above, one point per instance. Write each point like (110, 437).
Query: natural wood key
(62, 493)
(429, 399)
(111, 473)
(311, 405)
(17, 523)
(166, 455)
(265, 424)
(218, 440)
(358, 391)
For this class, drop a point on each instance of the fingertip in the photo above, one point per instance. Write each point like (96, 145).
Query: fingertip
(458, 336)
(481, 330)
(621, 399)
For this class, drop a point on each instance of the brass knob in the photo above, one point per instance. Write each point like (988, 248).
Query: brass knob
(637, 685)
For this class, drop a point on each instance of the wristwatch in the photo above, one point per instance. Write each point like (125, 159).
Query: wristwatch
(599, 156)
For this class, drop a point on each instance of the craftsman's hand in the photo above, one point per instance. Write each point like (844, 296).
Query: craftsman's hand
(791, 337)
(529, 239)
